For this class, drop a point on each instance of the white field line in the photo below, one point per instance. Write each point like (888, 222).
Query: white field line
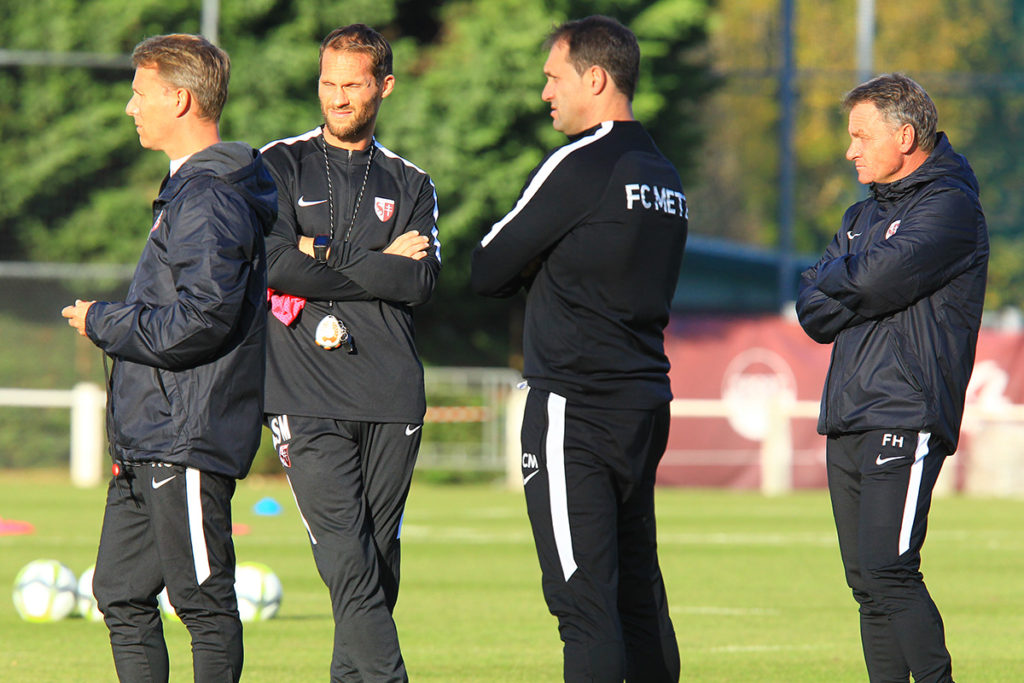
(463, 535)
(472, 535)
(773, 539)
(708, 610)
(742, 649)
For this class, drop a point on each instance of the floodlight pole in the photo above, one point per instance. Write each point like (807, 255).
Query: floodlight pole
(865, 39)
(210, 20)
(787, 165)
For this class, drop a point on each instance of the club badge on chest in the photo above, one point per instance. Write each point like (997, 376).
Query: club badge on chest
(332, 333)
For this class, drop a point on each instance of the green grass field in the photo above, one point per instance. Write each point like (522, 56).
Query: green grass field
(755, 585)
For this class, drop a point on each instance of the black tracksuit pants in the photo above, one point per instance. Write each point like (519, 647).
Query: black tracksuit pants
(588, 475)
(881, 487)
(351, 481)
(167, 525)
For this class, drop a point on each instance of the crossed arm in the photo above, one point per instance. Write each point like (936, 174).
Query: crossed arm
(410, 245)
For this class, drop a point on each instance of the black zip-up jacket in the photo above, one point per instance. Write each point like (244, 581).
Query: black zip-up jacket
(900, 291)
(373, 293)
(189, 340)
(597, 238)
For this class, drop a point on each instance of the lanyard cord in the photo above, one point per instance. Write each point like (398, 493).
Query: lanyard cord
(330, 189)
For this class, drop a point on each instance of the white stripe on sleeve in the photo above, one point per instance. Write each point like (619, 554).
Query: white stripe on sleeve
(542, 174)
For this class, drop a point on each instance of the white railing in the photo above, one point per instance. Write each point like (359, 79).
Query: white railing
(777, 443)
(87, 402)
(88, 440)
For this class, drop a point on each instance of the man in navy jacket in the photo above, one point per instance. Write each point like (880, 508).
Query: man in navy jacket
(185, 392)
(899, 292)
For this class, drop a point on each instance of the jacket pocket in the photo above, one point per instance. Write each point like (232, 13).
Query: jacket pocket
(908, 364)
(141, 419)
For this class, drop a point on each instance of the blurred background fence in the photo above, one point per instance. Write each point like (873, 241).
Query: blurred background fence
(467, 428)
(746, 389)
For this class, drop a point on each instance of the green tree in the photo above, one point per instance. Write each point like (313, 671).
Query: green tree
(473, 117)
(968, 55)
(467, 108)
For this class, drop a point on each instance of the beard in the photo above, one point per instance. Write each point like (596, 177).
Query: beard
(358, 127)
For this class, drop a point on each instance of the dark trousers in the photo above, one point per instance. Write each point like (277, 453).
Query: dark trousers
(881, 487)
(351, 481)
(588, 475)
(169, 526)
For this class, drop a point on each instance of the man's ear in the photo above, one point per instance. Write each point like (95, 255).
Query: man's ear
(597, 80)
(907, 139)
(387, 86)
(184, 101)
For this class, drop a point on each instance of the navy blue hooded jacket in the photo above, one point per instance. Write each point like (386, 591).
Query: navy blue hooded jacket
(900, 291)
(189, 341)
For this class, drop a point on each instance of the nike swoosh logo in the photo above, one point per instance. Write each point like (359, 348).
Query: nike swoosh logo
(531, 476)
(410, 430)
(881, 461)
(158, 484)
(849, 233)
(303, 202)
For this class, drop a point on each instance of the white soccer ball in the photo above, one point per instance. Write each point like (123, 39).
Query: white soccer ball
(45, 590)
(166, 608)
(86, 600)
(258, 590)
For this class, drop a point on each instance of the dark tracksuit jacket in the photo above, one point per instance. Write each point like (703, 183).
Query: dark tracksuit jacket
(900, 292)
(597, 238)
(372, 293)
(188, 342)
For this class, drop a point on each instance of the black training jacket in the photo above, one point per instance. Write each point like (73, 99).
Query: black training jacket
(371, 292)
(900, 292)
(189, 341)
(597, 238)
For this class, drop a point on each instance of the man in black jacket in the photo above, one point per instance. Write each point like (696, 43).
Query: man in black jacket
(354, 249)
(596, 238)
(185, 393)
(899, 292)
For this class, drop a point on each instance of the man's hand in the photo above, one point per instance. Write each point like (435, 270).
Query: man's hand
(76, 314)
(306, 246)
(410, 245)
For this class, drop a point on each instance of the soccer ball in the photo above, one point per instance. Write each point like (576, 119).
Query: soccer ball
(258, 590)
(166, 608)
(45, 590)
(86, 600)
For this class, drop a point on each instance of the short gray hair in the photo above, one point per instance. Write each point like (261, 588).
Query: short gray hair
(900, 100)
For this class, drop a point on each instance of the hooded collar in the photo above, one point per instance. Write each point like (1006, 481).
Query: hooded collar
(235, 164)
(942, 162)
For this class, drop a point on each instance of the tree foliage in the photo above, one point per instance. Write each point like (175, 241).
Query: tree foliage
(967, 54)
(467, 108)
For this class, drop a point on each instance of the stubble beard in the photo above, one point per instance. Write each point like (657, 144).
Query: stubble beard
(359, 127)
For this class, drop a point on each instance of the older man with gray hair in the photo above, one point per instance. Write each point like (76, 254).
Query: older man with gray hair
(899, 292)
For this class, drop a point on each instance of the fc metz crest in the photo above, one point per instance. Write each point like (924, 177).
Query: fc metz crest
(385, 208)
(892, 229)
(282, 454)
